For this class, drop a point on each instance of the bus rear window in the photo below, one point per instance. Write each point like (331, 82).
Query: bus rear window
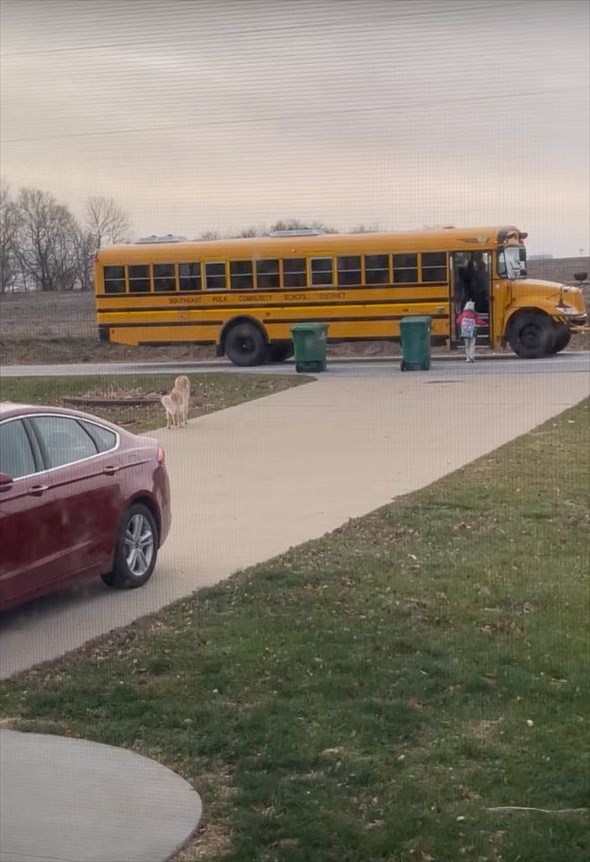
(114, 279)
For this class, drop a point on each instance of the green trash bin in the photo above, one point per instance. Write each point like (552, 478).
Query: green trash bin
(415, 335)
(310, 343)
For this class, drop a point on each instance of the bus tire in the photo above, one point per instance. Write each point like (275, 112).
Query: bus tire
(562, 337)
(531, 335)
(280, 351)
(245, 345)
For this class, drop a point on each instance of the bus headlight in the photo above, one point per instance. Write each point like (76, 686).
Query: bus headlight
(565, 309)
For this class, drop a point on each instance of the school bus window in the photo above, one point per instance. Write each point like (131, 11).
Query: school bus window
(377, 269)
(139, 278)
(164, 278)
(405, 268)
(349, 270)
(241, 275)
(267, 274)
(190, 276)
(294, 273)
(215, 276)
(434, 267)
(321, 271)
(114, 279)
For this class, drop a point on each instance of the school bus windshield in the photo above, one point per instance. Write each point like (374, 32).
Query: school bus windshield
(511, 263)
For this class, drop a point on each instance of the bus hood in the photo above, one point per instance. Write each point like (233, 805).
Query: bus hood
(564, 294)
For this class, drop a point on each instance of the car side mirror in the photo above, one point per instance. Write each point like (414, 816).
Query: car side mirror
(6, 482)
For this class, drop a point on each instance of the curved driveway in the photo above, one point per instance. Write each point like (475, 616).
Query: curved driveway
(254, 480)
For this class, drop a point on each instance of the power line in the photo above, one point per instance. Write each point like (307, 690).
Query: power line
(236, 34)
(300, 115)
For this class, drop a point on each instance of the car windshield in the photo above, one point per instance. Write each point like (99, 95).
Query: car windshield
(510, 263)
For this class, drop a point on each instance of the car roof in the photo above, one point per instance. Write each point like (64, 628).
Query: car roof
(9, 409)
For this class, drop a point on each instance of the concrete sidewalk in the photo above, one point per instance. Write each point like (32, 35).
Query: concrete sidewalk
(70, 800)
(252, 481)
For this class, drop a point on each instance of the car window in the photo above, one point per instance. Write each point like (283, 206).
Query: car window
(104, 438)
(16, 455)
(65, 440)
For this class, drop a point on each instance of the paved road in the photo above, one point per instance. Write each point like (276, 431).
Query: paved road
(442, 366)
(252, 481)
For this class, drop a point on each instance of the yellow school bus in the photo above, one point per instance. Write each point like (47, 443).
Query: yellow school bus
(244, 295)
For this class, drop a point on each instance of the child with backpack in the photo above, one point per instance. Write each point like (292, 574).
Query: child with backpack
(467, 323)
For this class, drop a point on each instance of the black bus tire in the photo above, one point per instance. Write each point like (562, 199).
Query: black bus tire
(531, 335)
(245, 345)
(562, 337)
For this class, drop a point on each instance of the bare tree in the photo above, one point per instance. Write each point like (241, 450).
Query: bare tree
(365, 228)
(210, 234)
(250, 232)
(46, 241)
(9, 234)
(84, 251)
(297, 224)
(106, 222)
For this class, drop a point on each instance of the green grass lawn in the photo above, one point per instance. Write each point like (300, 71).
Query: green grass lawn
(209, 392)
(371, 696)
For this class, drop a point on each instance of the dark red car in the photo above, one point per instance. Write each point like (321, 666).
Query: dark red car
(79, 497)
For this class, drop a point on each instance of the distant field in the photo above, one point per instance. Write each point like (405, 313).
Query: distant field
(46, 328)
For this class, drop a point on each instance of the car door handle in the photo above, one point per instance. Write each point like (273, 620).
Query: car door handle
(110, 470)
(38, 490)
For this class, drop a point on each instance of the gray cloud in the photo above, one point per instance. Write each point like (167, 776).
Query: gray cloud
(198, 115)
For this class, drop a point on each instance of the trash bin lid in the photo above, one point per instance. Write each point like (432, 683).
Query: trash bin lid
(309, 327)
(418, 318)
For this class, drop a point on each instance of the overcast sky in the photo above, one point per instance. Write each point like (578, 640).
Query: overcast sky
(214, 115)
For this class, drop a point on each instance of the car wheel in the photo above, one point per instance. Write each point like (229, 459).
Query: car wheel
(245, 345)
(136, 550)
(531, 335)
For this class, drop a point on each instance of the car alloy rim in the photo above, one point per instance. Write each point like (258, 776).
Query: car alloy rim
(139, 545)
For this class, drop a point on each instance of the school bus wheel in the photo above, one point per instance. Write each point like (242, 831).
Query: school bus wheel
(245, 344)
(562, 336)
(531, 335)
